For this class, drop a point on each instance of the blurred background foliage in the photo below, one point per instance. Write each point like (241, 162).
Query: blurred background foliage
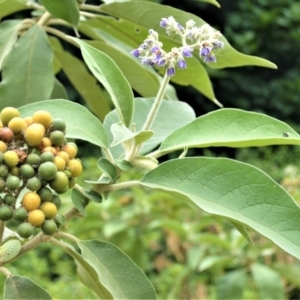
(188, 254)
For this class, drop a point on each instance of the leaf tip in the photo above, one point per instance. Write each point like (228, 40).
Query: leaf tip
(218, 103)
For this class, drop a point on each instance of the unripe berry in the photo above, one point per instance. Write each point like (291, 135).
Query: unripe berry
(47, 156)
(9, 199)
(57, 137)
(25, 230)
(11, 158)
(13, 183)
(60, 183)
(49, 227)
(33, 159)
(26, 171)
(42, 117)
(3, 171)
(2, 185)
(36, 217)
(6, 135)
(34, 134)
(8, 113)
(45, 194)
(57, 201)
(20, 214)
(33, 184)
(17, 124)
(58, 124)
(6, 212)
(47, 170)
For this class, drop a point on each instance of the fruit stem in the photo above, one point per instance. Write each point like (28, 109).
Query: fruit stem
(101, 188)
(44, 19)
(2, 228)
(61, 234)
(5, 272)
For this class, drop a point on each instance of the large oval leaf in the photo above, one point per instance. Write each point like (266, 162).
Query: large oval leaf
(81, 124)
(108, 73)
(116, 271)
(63, 9)
(8, 37)
(8, 7)
(231, 128)
(23, 288)
(234, 190)
(27, 74)
(171, 115)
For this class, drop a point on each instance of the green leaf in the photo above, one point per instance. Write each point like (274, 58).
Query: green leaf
(289, 272)
(94, 196)
(231, 285)
(9, 250)
(84, 83)
(243, 231)
(213, 2)
(124, 165)
(8, 37)
(27, 74)
(108, 168)
(171, 115)
(108, 73)
(78, 200)
(122, 134)
(23, 288)
(234, 190)
(116, 271)
(59, 91)
(8, 7)
(210, 261)
(268, 282)
(63, 9)
(231, 128)
(81, 124)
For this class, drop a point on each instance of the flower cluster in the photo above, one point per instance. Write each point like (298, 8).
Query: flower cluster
(205, 38)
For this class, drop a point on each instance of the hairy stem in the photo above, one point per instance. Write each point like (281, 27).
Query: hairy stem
(5, 272)
(60, 34)
(44, 19)
(115, 187)
(89, 7)
(61, 234)
(2, 228)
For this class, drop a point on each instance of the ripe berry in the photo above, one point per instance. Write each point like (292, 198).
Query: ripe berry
(6, 212)
(36, 217)
(64, 155)
(49, 209)
(49, 227)
(34, 134)
(42, 117)
(8, 113)
(17, 124)
(3, 147)
(75, 167)
(60, 163)
(47, 170)
(6, 135)
(31, 201)
(71, 149)
(25, 230)
(11, 158)
(20, 214)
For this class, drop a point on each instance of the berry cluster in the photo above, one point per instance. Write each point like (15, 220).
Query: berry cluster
(205, 38)
(36, 164)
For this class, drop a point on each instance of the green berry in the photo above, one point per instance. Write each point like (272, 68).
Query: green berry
(3, 171)
(26, 171)
(47, 156)
(13, 183)
(33, 159)
(2, 184)
(9, 199)
(25, 230)
(57, 201)
(20, 214)
(60, 183)
(57, 138)
(33, 184)
(45, 194)
(47, 170)
(6, 212)
(58, 124)
(49, 227)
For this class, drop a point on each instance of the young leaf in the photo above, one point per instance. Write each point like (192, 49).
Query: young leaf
(94, 196)
(124, 165)
(109, 74)
(113, 267)
(243, 231)
(81, 124)
(213, 2)
(63, 9)
(108, 168)
(9, 250)
(27, 74)
(268, 282)
(231, 285)
(171, 115)
(23, 288)
(234, 190)
(84, 83)
(231, 128)
(78, 200)
(122, 134)
(8, 7)
(8, 37)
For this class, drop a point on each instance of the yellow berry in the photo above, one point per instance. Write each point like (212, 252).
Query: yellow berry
(60, 163)
(31, 201)
(34, 134)
(71, 149)
(3, 147)
(64, 155)
(8, 113)
(42, 117)
(36, 217)
(17, 124)
(11, 158)
(75, 167)
(49, 209)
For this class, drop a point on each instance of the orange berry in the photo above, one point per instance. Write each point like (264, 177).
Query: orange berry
(31, 201)
(36, 217)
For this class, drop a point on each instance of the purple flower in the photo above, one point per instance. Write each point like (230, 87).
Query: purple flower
(218, 44)
(144, 46)
(170, 71)
(179, 26)
(163, 22)
(181, 64)
(210, 58)
(147, 61)
(135, 52)
(205, 51)
(160, 62)
(187, 52)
